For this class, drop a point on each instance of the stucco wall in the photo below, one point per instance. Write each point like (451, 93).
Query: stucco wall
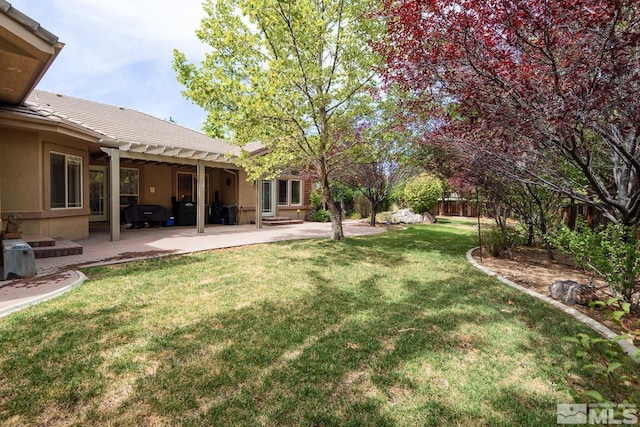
(156, 185)
(246, 200)
(72, 228)
(24, 178)
(21, 169)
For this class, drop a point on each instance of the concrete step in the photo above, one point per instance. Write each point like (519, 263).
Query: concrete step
(39, 241)
(63, 247)
(279, 220)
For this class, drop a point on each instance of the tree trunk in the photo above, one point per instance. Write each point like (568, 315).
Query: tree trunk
(336, 218)
(542, 221)
(374, 211)
(502, 223)
(530, 234)
(543, 230)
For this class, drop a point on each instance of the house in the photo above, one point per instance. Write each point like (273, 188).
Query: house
(69, 164)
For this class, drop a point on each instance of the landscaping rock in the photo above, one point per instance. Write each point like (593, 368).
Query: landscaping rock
(428, 218)
(406, 216)
(572, 292)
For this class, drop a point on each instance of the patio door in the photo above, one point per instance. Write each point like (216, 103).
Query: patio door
(98, 193)
(268, 198)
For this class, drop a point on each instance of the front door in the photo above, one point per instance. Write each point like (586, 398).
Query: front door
(268, 199)
(98, 193)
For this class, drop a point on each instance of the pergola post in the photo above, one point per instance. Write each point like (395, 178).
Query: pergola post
(259, 187)
(114, 184)
(201, 214)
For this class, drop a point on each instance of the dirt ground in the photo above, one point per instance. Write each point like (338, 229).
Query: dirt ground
(531, 268)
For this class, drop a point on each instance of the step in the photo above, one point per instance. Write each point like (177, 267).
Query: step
(276, 218)
(39, 241)
(63, 247)
(281, 221)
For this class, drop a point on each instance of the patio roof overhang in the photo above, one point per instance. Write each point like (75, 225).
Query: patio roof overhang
(164, 153)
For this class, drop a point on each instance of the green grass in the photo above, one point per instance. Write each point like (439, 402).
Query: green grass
(394, 329)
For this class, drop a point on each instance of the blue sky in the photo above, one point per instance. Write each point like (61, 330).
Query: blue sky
(120, 52)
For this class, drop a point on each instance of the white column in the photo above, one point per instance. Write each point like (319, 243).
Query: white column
(259, 203)
(201, 206)
(114, 186)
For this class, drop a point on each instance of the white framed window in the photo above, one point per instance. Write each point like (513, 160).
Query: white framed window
(66, 181)
(188, 187)
(289, 192)
(129, 186)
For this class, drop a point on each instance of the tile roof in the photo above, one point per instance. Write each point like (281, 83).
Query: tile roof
(28, 23)
(124, 126)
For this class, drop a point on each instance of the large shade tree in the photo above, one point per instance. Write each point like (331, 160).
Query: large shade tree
(289, 75)
(545, 92)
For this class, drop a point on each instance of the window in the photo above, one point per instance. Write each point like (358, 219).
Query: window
(283, 192)
(129, 186)
(289, 192)
(188, 187)
(66, 181)
(296, 192)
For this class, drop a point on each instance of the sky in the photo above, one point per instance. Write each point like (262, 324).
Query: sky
(120, 52)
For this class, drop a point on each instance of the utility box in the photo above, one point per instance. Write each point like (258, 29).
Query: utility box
(19, 260)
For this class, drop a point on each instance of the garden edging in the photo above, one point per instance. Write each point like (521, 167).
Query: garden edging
(596, 326)
(76, 279)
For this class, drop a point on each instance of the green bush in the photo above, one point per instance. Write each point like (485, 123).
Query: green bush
(423, 192)
(611, 252)
(321, 215)
(616, 372)
(355, 215)
(316, 200)
(496, 242)
(383, 217)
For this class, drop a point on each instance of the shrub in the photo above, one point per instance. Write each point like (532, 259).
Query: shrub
(316, 200)
(611, 252)
(383, 217)
(361, 205)
(423, 193)
(615, 371)
(321, 215)
(496, 242)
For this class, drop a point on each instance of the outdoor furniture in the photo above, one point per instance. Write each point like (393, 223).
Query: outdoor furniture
(222, 214)
(185, 212)
(145, 215)
(19, 259)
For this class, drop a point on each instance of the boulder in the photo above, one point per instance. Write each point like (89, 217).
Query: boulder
(429, 218)
(572, 292)
(406, 216)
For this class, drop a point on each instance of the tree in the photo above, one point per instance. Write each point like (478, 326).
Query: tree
(547, 89)
(543, 91)
(289, 75)
(423, 192)
(389, 144)
(377, 179)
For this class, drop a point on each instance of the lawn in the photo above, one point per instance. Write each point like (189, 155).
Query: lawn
(393, 329)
